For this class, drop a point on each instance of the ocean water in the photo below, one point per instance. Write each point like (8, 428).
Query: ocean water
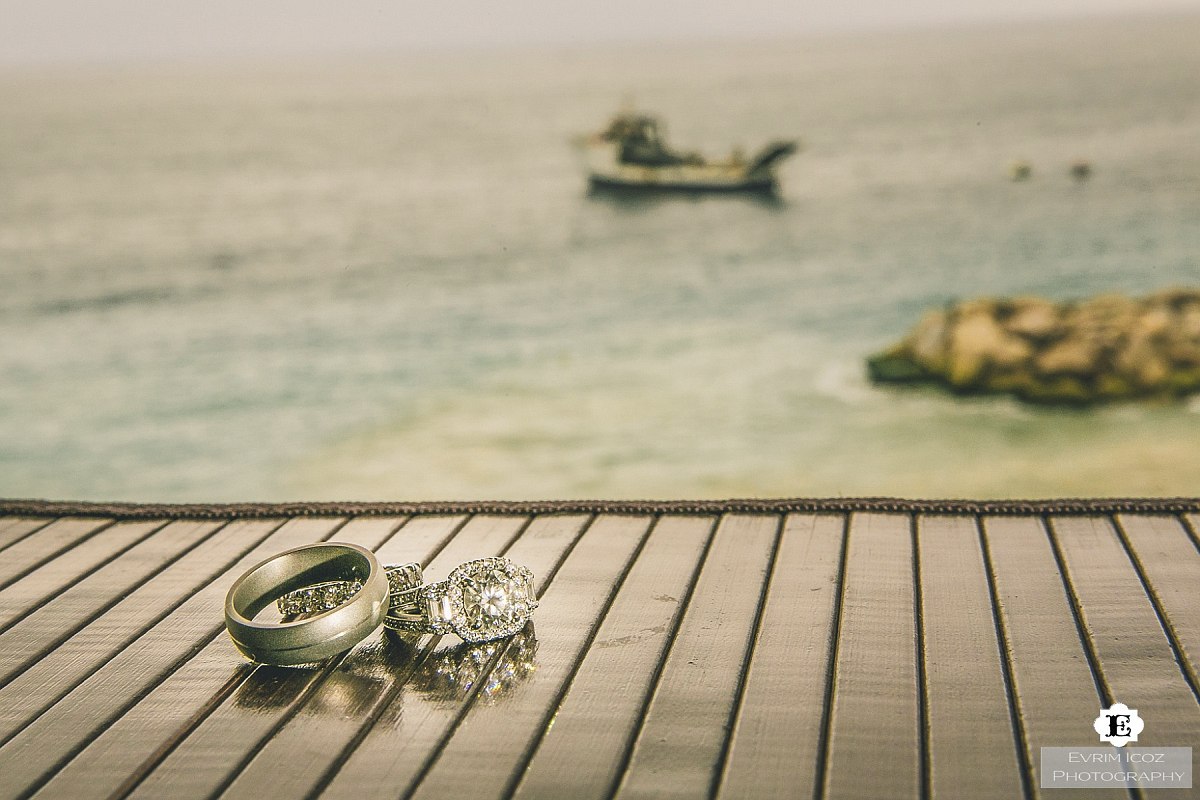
(384, 278)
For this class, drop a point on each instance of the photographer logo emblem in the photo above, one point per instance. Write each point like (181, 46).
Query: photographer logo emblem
(1133, 767)
(1119, 725)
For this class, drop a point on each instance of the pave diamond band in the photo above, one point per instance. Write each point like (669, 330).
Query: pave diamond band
(481, 600)
(331, 594)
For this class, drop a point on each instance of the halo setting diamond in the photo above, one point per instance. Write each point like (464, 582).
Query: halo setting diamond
(481, 600)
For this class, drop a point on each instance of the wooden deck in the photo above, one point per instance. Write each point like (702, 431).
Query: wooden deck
(836, 650)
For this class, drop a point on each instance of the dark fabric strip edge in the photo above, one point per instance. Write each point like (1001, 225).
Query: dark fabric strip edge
(1065, 506)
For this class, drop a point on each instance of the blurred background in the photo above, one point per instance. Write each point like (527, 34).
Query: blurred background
(348, 251)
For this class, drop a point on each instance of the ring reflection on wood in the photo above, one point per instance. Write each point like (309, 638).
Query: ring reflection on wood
(452, 673)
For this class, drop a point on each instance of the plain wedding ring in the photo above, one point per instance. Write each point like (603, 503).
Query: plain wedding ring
(322, 635)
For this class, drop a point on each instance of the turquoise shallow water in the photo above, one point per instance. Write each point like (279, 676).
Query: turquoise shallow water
(384, 278)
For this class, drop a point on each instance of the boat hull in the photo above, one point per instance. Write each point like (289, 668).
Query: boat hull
(605, 170)
(684, 186)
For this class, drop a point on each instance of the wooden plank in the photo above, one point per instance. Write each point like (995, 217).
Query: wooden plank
(678, 750)
(116, 678)
(1170, 564)
(581, 753)
(973, 746)
(45, 545)
(54, 674)
(397, 747)
(492, 737)
(1135, 657)
(775, 744)
(30, 592)
(235, 729)
(80, 602)
(1053, 689)
(32, 756)
(25, 524)
(874, 740)
(176, 717)
(13, 529)
(326, 730)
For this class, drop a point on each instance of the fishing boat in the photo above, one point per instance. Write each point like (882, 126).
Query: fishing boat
(631, 154)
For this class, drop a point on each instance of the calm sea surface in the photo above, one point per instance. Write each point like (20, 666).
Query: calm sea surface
(385, 278)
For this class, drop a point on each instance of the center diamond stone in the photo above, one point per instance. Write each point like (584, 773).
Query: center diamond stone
(488, 599)
(483, 599)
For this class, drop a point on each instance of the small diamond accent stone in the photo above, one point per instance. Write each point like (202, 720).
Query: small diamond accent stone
(441, 604)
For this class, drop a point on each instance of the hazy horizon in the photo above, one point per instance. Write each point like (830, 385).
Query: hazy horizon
(131, 31)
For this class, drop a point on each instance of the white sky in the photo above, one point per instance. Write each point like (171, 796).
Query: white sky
(34, 31)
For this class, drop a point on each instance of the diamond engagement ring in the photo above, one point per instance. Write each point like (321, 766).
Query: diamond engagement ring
(324, 634)
(331, 594)
(481, 600)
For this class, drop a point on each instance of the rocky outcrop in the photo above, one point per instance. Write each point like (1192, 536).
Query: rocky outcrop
(1109, 347)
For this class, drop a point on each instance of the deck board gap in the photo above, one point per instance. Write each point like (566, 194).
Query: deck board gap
(121, 687)
(1020, 738)
(926, 767)
(495, 658)
(656, 676)
(424, 652)
(556, 705)
(1089, 647)
(527, 757)
(1077, 612)
(168, 746)
(78, 747)
(21, 537)
(325, 670)
(465, 708)
(751, 643)
(134, 637)
(318, 685)
(1159, 612)
(196, 720)
(39, 603)
(54, 553)
(591, 520)
(335, 766)
(103, 609)
(396, 528)
(1187, 521)
(454, 532)
(819, 773)
(313, 686)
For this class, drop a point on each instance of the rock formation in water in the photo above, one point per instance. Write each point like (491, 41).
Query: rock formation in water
(1109, 347)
